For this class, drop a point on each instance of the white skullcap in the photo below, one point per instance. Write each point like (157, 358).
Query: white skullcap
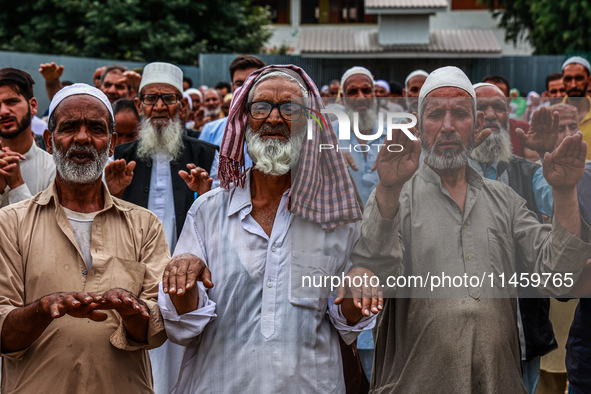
(446, 77)
(79, 88)
(189, 99)
(413, 74)
(384, 84)
(162, 73)
(191, 91)
(355, 71)
(492, 85)
(577, 60)
(324, 89)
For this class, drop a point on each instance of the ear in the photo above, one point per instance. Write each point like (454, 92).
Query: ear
(33, 105)
(114, 137)
(479, 122)
(403, 92)
(48, 139)
(138, 105)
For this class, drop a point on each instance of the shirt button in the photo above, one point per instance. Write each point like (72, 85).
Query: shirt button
(273, 248)
(269, 284)
(468, 257)
(84, 272)
(464, 225)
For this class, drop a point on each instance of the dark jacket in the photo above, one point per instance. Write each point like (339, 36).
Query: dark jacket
(197, 152)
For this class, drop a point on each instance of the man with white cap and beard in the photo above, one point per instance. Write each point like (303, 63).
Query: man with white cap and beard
(163, 171)
(445, 218)
(294, 213)
(576, 72)
(412, 86)
(493, 159)
(73, 256)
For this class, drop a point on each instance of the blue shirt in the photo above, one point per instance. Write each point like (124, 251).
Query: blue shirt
(213, 132)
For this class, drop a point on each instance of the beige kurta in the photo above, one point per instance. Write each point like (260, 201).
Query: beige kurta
(39, 256)
(461, 345)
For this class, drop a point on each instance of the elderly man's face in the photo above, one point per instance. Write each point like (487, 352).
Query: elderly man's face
(196, 102)
(381, 91)
(447, 127)
(114, 86)
(81, 142)
(333, 89)
(575, 79)
(127, 126)
(494, 106)
(212, 100)
(358, 93)
(168, 106)
(414, 86)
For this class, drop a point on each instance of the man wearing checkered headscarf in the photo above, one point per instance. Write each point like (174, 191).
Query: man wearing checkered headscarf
(260, 328)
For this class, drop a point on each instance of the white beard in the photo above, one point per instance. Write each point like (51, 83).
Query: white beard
(81, 174)
(447, 160)
(367, 120)
(496, 146)
(166, 140)
(214, 112)
(272, 156)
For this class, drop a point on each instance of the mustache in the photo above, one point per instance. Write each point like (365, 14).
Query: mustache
(77, 148)
(281, 129)
(446, 140)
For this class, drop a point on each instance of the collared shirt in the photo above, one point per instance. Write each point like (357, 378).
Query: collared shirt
(213, 132)
(540, 187)
(461, 345)
(38, 171)
(160, 197)
(253, 332)
(39, 255)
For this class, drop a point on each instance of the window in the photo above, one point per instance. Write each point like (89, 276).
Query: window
(279, 9)
(335, 11)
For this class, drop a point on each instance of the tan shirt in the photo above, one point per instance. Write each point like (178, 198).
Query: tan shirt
(466, 343)
(39, 255)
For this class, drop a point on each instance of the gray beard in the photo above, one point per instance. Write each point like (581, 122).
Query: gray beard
(366, 121)
(214, 112)
(168, 139)
(81, 174)
(447, 161)
(271, 156)
(496, 146)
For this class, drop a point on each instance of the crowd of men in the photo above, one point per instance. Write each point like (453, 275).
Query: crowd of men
(233, 183)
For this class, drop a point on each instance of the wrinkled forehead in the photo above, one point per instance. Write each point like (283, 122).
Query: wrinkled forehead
(448, 98)
(274, 87)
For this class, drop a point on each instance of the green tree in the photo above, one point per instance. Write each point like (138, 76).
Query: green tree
(551, 26)
(139, 30)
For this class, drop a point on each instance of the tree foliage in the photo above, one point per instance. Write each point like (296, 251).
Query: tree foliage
(551, 26)
(137, 30)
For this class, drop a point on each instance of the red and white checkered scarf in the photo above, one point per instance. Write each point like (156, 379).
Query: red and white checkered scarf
(322, 191)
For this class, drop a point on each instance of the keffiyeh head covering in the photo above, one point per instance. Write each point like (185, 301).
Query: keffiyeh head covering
(322, 191)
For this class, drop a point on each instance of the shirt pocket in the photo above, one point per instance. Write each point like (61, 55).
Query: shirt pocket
(310, 280)
(501, 255)
(128, 275)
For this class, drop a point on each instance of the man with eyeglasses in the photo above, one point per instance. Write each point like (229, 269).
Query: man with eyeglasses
(575, 77)
(162, 171)
(294, 213)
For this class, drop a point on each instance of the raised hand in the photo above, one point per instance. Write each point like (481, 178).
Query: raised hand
(132, 79)
(564, 167)
(349, 161)
(180, 278)
(543, 131)
(76, 304)
(10, 168)
(395, 167)
(197, 179)
(481, 136)
(118, 175)
(51, 71)
(366, 298)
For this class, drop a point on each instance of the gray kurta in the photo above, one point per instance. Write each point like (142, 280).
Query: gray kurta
(461, 345)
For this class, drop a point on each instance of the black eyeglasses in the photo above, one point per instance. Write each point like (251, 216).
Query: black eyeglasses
(261, 110)
(167, 98)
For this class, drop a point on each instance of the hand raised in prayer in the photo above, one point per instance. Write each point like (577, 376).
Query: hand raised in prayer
(480, 136)
(180, 281)
(197, 179)
(51, 71)
(396, 166)
(543, 131)
(564, 167)
(349, 161)
(118, 175)
(359, 301)
(125, 303)
(132, 79)
(10, 167)
(76, 304)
